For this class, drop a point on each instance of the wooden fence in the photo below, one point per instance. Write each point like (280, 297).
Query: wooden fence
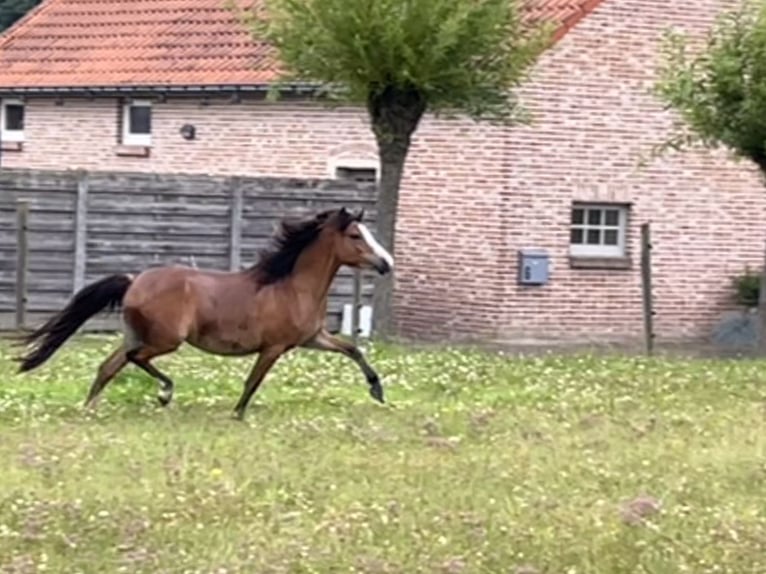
(84, 225)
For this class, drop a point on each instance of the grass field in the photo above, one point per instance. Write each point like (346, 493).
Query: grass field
(479, 464)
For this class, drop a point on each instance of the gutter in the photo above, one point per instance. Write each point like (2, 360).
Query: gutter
(300, 89)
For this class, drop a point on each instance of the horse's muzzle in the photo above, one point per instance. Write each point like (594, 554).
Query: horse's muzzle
(381, 266)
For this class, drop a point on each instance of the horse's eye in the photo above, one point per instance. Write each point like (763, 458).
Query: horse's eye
(355, 236)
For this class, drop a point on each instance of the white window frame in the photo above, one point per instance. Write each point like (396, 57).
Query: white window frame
(600, 250)
(11, 135)
(334, 164)
(129, 138)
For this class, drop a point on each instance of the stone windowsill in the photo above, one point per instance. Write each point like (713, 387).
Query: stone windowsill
(132, 151)
(11, 146)
(579, 262)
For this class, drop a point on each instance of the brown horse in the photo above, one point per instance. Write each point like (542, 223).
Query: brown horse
(276, 305)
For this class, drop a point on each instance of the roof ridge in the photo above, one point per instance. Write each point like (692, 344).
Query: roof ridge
(573, 19)
(10, 32)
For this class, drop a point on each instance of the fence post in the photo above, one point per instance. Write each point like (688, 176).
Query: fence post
(356, 305)
(646, 285)
(80, 232)
(235, 225)
(22, 262)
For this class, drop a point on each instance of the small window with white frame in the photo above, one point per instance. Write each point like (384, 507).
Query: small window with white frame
(358, 170)
(598, 230)
(137, 123)
(12, 120)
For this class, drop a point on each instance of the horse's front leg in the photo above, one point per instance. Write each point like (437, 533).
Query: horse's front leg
(324, 341)
(265, 361)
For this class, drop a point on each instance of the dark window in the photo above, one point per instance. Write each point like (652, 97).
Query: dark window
(610, 237)
(359, 174)
(14, 117)
(612, 218)
(140, 120)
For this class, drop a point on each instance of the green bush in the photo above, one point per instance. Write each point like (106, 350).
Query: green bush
(747, 288)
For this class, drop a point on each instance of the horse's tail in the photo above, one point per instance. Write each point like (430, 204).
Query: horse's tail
(91, 299)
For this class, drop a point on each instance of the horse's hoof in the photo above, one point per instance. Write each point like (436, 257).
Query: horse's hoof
(164, 400)
(238, 416)
(376, 392)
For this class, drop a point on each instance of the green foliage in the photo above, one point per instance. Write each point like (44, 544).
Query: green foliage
(720, 90)
(747, 288)
(12, 10)
(459, 55)
(481, 463)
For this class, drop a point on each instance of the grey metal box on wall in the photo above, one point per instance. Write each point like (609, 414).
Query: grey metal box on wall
(533, 267)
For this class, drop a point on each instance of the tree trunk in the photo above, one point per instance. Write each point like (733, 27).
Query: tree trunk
(394, 114)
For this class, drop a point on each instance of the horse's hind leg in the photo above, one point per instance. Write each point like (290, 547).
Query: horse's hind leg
(106, 372)
(147, 340)
(141, 357)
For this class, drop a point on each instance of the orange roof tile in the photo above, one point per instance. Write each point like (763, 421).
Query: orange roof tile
(160, 43)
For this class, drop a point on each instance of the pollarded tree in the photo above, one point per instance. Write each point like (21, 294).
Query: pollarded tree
(718, 89)
(400, 59)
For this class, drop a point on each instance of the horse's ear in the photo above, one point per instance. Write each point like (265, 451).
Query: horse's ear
(359, 215)
(344, 218)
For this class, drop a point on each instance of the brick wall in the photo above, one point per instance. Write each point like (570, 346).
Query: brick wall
(593, 119)
(474, 194)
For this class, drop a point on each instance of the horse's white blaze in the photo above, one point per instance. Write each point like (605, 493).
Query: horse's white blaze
(376, 247)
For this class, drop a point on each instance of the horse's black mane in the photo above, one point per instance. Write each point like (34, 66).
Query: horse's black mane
(291, 239)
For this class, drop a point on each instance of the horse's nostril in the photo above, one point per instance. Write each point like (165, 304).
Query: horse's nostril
(383, 267)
